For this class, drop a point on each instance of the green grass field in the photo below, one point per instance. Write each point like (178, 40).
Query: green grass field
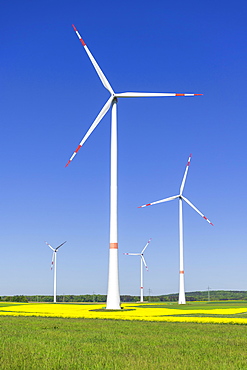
(63, 343)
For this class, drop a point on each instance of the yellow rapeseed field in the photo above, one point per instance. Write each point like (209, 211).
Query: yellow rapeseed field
(130, 311)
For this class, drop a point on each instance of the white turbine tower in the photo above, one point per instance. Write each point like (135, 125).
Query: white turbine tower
(54, 264)
(181, 298)
(113, 296)
(143, 262)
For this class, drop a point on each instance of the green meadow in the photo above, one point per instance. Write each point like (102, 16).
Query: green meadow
(61, 343)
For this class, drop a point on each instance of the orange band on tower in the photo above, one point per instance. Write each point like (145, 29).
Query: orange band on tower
(181, 272)
(113, 245)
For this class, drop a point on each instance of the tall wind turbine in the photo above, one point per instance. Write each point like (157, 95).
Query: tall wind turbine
(54, 264)
(143, 262)
(113, 296)
(181, 298)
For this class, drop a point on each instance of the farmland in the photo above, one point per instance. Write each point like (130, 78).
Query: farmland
(234, 312)
(137, 337)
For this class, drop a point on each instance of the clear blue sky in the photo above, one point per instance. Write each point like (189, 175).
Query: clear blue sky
(50, 95)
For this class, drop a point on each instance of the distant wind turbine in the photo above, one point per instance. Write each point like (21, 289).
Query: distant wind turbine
(143, 262)
(181, 298)
(54, 264)
(113, 296)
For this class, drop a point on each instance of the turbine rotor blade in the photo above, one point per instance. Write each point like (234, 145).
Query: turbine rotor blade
(53, 258)
(185, 175)
(101, 114)
(144, 262)
(160, 201)
(146, 246)
(197, 210)
(132, 254)
(60, 245)
(95, 64)
(149, 95)
(50, 246)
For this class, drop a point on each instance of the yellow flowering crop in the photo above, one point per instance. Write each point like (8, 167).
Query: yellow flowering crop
(131, 311)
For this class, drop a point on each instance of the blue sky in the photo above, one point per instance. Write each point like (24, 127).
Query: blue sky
(50, 95)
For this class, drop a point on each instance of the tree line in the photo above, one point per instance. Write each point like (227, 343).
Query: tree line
(212, 295)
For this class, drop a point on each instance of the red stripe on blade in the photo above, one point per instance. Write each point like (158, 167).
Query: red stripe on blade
(78, 148)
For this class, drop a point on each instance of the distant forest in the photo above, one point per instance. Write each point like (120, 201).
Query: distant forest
(211, 295)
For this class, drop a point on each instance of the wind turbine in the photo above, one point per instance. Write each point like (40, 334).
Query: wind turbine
(181, 298)
(54, 264)
(143, 262)
(113, 296)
